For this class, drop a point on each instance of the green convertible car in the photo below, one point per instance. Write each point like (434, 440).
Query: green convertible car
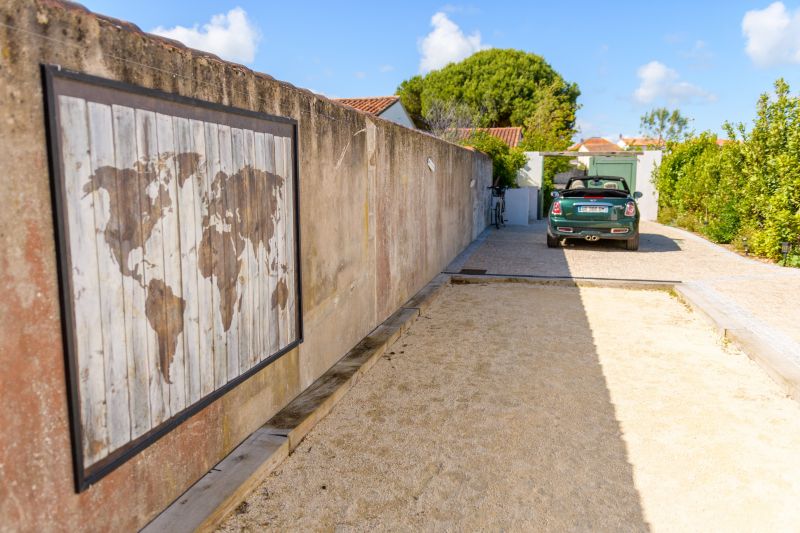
(594, 208)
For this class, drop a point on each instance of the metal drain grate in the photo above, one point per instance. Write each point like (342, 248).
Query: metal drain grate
(474, 271)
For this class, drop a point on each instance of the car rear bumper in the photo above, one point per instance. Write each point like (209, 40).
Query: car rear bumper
(603, 229)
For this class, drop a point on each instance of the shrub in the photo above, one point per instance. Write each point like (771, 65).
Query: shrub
(747, 189)
(506, 161)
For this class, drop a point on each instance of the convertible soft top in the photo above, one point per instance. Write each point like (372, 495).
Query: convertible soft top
(587, 179)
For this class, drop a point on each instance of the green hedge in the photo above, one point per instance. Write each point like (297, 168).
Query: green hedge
(746, 189)
(506, 161)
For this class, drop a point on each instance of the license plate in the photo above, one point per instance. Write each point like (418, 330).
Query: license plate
(593, 209)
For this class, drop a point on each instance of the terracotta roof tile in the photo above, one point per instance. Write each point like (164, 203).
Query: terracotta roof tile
(640, 141)
(374, 105)
(511, 136)
(596, 144)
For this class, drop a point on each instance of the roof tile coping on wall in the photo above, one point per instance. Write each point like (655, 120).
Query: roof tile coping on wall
(374, 105)
(68, 5)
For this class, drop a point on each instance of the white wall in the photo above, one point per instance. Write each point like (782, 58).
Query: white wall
(648, 203)
(397, 114)
(533, 208)
(531, 174)
(517, 206)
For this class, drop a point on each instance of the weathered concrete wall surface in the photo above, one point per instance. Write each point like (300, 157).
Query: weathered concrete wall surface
(376, 225)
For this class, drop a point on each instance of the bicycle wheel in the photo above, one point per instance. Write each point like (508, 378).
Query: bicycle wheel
(498, 216)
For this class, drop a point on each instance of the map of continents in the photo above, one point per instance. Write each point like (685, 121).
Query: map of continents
(135, 211)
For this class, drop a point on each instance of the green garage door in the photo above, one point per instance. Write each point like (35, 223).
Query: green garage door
(624, 167)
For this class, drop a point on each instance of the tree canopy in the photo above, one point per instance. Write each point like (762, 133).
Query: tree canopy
(664, 125)
(499, 87)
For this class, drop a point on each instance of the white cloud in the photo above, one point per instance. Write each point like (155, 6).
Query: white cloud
(360, 75)
(386, 68)
(230, 36)
(773, 35)
(446, 43)
(659, 82)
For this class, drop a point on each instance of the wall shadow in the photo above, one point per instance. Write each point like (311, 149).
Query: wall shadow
(491, 413)
(573, 454)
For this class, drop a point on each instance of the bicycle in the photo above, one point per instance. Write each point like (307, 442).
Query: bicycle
(498, 205)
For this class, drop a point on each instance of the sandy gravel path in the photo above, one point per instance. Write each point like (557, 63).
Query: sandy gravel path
(482, 418)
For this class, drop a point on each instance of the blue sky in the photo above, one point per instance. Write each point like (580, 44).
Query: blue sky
(711, 59)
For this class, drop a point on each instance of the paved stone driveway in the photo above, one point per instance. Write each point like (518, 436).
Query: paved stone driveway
(766, 295)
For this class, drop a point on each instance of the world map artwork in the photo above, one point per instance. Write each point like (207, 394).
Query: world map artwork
(134, 212)
(179, 229)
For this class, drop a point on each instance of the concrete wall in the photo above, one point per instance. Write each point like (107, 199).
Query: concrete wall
(376, 225)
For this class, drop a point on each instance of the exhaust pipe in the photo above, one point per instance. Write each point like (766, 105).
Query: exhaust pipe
(592, 238)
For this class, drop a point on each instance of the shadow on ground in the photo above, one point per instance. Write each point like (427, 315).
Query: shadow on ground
(648, 243)
(558, 444)
(491, 413)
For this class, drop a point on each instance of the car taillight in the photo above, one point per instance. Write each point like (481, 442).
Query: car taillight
(556, 207)
(630, 209)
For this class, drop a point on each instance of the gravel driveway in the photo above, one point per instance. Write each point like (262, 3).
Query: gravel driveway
(482, 418)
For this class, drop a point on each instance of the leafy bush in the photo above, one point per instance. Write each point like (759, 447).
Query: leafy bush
(506, 161)
(746, 189)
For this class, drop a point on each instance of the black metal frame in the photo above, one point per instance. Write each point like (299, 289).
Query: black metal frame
(86, 477)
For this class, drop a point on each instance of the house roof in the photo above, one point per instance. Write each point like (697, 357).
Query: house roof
(511, 136)
(595, 144)
(374, 105)
(640, 141)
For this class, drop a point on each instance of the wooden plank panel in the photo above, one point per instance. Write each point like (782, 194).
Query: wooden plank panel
(217, 237)
(186, 164)
(172, 336)
(205, 290)
(230, 296)
(84, 277)
(272, 260)
(239, 182)
(280, 230)
(290, 237)
(252, 216)
(260, 208)
(112, 306)
(151, 258)
(129, 196)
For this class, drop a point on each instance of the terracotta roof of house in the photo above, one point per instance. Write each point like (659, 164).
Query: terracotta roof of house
(723, 142)
(640, 141)
(511, 136)
(374, 105)
(595, 144)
